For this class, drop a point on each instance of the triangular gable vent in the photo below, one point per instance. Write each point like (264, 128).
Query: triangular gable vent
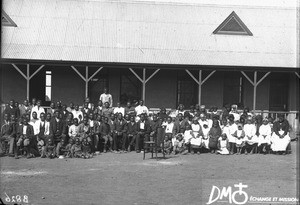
(233, 25)
(6, 20)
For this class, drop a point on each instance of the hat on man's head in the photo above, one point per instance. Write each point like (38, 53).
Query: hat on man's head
(202, 107)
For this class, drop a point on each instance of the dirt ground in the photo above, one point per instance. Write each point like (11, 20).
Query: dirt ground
(128, 179)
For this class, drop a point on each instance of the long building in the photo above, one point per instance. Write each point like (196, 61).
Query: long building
(166, 52)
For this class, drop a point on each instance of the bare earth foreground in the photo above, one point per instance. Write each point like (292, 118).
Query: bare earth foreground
(128, 179)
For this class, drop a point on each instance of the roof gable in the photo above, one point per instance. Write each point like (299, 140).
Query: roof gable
(6, 20)
(233, 25)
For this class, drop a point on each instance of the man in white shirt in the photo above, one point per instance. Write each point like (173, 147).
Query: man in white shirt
(38, 109)
(106, 97)
(141, 109)
(77, 113)
(119, 109)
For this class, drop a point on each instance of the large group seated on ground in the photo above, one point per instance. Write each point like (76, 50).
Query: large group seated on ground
(83, 131)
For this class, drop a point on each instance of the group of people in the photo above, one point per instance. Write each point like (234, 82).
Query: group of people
(82, 131)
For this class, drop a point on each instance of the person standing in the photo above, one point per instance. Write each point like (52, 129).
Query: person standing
(106, 97)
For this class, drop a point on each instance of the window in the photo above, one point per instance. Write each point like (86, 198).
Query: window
(48, 86)
(233, 25)
(6, 20)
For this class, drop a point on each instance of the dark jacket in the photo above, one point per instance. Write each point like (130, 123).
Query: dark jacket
(29, 131)
(147, 128)
(57, 129)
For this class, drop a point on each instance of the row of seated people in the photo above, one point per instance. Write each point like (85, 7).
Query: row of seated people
(47, 135)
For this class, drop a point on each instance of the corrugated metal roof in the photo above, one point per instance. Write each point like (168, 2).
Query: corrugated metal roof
(155, 32)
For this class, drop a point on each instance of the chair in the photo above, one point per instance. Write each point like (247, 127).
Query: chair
(154, 145)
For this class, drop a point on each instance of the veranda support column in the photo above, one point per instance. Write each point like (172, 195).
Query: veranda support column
(200, 87)
(254, 91)
(27, 76)
(200, 82)
(144, 84)
(255, 84)
(86, 79)
(143, 80)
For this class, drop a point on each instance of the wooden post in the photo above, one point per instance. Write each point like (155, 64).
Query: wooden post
(86, 81)
(27, 82)
(255, 83)
(200, 87)
(254, 91)
(200, 82)
(27, 76)
(144, 84)
(143, 80)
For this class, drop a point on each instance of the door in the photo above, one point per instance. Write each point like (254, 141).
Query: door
(279, 88)
(187, 90)
(37, 87)
(130, 89)
(97, 85)
(233, 89)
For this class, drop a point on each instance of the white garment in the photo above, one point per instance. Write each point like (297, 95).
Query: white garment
(205, 138)
(36, 126)
(141, 109)
(223, 146)
(38, 111)
(119, 110)
(24, 129)
(47, 128)
(231, 130)
(235, 115)
(76, 114)
(279, 144)
(197, 140)
(250, 134)
(106, 98)
(187, 136)
(73, 130)
(264, 134)
(169, 128)
(239, 140)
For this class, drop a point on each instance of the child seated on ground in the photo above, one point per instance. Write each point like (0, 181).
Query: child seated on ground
(77, 149)
(167, 144)
(69, 148)
(49, 150)
(223, 145)
(179, 144)
(61, 147)
(239, 134)
(86, 149)
(40, 145)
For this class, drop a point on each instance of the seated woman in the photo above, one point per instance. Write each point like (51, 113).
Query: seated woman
(280, 137)
(197, 134)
